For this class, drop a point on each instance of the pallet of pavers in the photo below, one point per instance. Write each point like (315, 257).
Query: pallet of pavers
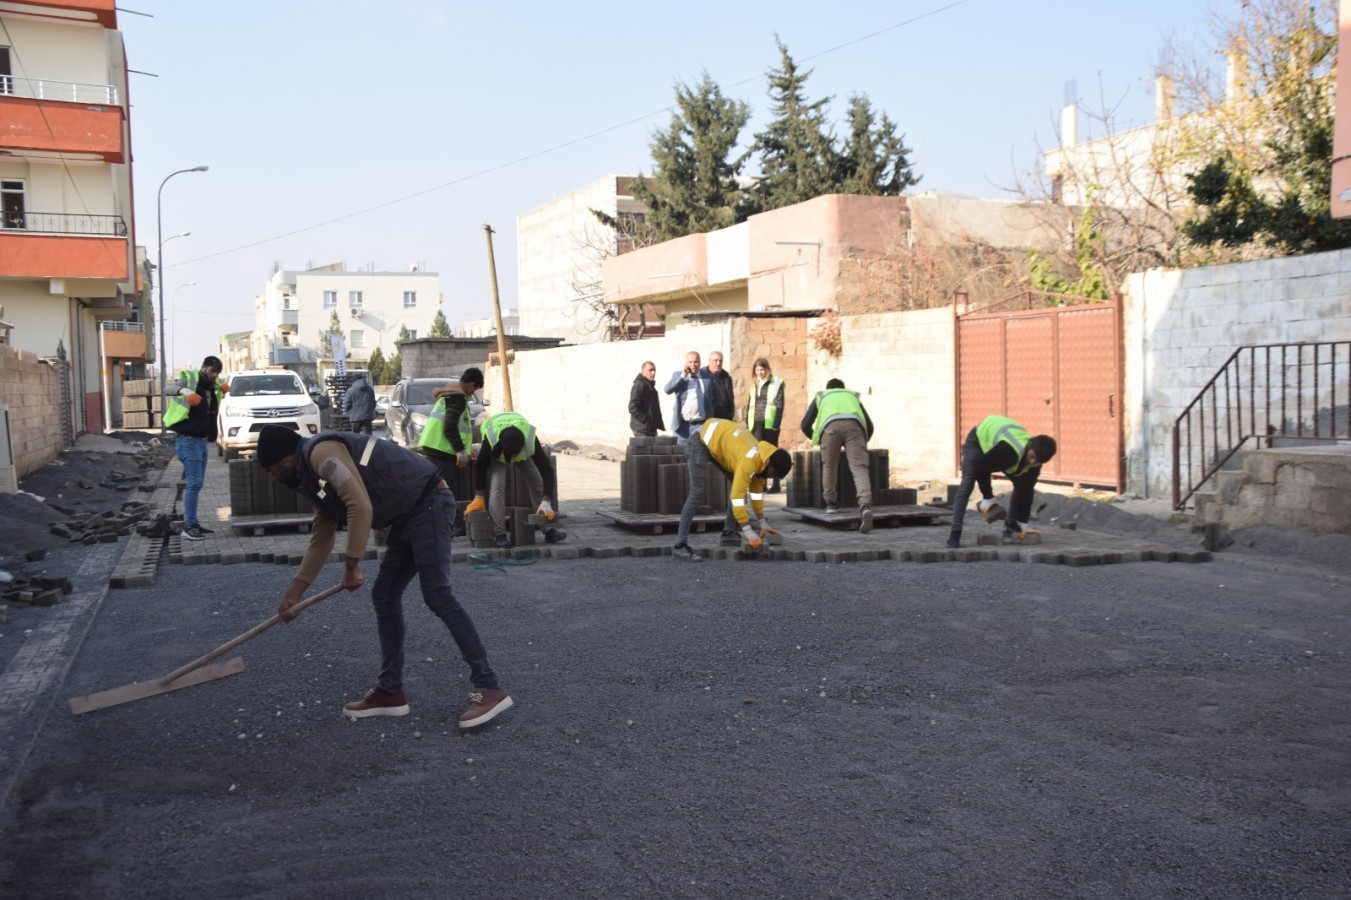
(891, 506)
(258, 503)
(654, 481)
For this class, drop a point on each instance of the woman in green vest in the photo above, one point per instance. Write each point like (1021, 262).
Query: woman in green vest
(764, 409)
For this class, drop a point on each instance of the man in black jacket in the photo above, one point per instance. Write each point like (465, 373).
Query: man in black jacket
(644, 403)
(363, 482)
(724, 402)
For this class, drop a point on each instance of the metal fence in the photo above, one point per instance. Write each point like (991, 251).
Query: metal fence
(69, 91)
(64, 223)
(1263, 393)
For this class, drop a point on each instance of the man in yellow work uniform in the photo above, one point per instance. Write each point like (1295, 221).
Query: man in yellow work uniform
(194, 400)
(748, 462)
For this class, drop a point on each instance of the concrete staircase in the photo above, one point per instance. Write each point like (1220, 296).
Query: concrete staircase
(1305, 487)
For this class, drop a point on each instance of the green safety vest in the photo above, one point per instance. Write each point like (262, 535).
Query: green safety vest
(994, 429)
(178, 405)
(434, 434)
(501, 422)
(836, 403)
(771, 404)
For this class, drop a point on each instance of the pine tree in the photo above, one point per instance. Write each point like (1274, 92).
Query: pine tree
(874, 159)
(693, 187)
(440, 327)
(334, 327)
(797, 153)
(377, 365)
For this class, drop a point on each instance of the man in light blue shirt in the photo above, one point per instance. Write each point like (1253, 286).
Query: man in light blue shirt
(696, 397)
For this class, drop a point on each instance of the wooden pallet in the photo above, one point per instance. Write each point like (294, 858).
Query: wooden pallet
(259, 525)
(658, 523)
(890, 516)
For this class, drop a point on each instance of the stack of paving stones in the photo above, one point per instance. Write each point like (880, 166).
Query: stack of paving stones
(654, 479)
(336, 387)
(253, 492)
(805, 482)
(140, 403)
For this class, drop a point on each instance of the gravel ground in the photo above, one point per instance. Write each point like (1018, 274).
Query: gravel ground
(721, 730)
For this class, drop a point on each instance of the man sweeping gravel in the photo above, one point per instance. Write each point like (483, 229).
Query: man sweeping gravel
(370, 483)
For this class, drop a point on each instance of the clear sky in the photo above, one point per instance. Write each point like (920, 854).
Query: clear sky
(391, 131)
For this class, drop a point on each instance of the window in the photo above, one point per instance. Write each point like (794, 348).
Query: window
(354, 299)
(288, 301)
(11, 205)
(330, 299)
(412, 335)
(410, 299)
(6, 73)
(358, 338)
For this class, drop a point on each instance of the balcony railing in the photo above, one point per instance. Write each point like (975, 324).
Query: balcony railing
(122, 326)
(69, 91)
(64, 223)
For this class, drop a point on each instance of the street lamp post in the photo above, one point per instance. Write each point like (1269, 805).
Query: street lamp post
(173, 302)
(159, 238)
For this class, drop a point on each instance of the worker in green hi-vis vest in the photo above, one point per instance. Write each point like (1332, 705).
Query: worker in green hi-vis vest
(837, 421)
(999, 444)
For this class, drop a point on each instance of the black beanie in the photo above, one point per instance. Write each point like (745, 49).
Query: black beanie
(275, 443)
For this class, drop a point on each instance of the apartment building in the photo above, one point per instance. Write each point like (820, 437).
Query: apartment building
(67, 232)
(297, 309)
(560, 247)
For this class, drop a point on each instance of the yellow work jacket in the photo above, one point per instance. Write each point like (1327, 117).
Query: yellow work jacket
(742, 458)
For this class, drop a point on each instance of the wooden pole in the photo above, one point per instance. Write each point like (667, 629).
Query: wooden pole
(507, 405)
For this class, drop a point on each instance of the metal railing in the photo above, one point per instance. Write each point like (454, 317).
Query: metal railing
(122, 326)
(68, 91)
(64, 223)
(1263, 392)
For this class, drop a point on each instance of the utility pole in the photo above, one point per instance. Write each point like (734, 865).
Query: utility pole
(497, 315)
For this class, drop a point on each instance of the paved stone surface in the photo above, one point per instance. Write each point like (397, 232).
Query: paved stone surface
(590, 505)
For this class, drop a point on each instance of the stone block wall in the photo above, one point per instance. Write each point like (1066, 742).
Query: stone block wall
(1294, 487)
(1180, 326)
(32, 391)
(902, 365)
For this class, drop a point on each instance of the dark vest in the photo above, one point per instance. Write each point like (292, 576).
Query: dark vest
(396, 479)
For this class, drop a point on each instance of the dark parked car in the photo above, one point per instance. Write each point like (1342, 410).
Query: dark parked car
(410, 404)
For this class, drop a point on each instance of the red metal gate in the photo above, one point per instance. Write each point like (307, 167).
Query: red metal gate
(1055, 369)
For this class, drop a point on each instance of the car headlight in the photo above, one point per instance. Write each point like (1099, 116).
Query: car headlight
(311, 410)
(236, 412)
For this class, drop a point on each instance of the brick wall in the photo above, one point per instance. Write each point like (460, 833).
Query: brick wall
(32, 391)
(1181, 325)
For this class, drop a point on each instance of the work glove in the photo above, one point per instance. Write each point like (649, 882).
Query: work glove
(1016, 529)
(546, 510)
(462, 459)
(193, 399)
(752, 539)
(991, 510)
(475, 505)
(225, 388)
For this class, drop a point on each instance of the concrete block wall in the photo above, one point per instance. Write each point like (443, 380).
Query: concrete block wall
(581, 393)
(32, 391)
(902, 365)
(1180, 326)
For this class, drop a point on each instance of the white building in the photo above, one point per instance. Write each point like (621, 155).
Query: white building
(297, 307)
(559, 250)
(482, 328)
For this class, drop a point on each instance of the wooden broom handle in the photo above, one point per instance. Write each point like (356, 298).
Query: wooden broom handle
(251, 633)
